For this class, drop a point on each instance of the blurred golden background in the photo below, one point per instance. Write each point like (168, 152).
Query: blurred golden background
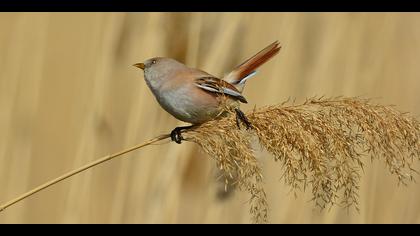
(69, 95)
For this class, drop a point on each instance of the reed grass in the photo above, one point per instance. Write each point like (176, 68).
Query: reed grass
(320, 144)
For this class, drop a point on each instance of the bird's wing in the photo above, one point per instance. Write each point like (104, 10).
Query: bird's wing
(215, 85)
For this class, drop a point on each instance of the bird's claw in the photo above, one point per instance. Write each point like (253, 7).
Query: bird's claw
(176, 135)
(240, 116)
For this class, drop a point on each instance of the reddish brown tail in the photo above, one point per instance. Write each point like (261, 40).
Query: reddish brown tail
(250, 65)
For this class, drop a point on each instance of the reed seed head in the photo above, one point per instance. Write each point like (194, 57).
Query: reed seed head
(320, 144)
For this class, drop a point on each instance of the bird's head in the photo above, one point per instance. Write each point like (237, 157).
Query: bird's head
(159, 69)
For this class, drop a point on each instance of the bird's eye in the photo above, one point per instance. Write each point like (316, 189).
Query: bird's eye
(154, 62)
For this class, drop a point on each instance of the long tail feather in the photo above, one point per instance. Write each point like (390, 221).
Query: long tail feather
(249, 66)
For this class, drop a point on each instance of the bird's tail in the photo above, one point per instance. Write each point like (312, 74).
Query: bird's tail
(247, 69)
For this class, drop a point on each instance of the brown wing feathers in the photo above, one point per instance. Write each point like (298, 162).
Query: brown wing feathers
(215, 85)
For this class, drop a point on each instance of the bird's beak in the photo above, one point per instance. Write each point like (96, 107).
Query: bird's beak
(139, 65)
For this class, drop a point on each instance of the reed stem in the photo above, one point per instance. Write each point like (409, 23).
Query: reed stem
(79, 170)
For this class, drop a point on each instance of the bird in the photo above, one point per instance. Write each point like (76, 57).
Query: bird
(195, 96)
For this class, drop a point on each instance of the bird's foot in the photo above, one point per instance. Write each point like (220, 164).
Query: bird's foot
(176, 134)
(240, 116)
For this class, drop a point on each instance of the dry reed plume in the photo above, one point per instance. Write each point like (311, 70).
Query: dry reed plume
(319, 144)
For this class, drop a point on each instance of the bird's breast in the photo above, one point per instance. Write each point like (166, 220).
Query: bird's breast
(188, 103)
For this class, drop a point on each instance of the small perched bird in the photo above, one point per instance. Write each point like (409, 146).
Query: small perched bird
(194, 96)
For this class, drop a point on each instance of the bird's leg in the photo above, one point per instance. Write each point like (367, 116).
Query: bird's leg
(240, 116)
(176, 133)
